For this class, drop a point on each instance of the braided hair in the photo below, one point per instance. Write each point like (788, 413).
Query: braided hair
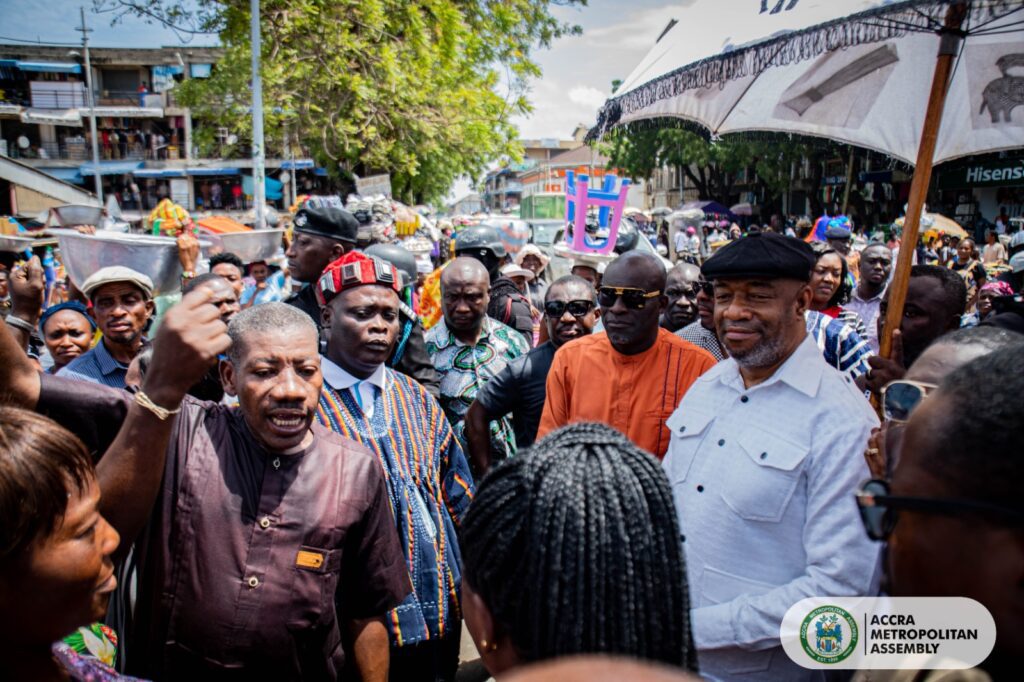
(575, 548)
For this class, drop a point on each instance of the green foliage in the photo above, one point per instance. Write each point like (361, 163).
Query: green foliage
(409, 87)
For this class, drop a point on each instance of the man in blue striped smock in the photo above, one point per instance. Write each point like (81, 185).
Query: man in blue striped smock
(427, 474)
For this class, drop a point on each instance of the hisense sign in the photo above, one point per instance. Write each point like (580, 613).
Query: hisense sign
(1004, 173)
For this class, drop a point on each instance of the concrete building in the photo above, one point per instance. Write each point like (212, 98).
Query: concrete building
(145, 135)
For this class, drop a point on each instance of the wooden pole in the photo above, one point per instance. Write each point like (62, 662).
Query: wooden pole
(849, 181)
(948, 48)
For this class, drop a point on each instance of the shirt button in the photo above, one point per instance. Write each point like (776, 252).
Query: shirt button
(764, 455)
(744, 399)
(276, 463)
(681, 429)
(682, 538)
(253, 581)
(265, 522)
(700, 488)
(721, 442)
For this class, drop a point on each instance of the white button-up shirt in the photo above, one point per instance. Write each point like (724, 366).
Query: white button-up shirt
(362, 389)
(764, 481)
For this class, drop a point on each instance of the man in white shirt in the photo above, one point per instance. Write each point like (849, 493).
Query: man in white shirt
(765, 456)
(994, 252)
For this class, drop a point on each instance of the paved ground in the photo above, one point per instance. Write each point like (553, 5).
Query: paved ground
(471, 669)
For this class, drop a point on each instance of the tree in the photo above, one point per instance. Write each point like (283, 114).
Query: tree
(407, 87)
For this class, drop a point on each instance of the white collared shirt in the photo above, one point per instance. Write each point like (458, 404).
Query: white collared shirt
(362, 389)
(764, 481)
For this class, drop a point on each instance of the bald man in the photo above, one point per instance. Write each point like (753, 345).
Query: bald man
(681, 290)
(468, 348)
(634, 374)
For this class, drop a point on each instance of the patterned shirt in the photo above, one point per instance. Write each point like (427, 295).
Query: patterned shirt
(429, 486)
(842, 347)
(465, 369)
(98, 366)
(696, 334)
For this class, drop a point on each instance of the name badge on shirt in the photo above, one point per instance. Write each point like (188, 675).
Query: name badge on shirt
(309, 559)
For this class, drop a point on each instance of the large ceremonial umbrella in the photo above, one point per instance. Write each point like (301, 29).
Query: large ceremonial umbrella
(856, 71)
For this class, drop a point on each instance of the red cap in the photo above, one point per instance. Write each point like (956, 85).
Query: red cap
(355, 269)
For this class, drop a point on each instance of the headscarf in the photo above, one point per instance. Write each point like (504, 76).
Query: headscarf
(67, 305)
(1000, 288)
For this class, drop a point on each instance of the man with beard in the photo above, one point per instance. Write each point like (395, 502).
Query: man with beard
(936, 298)
(519, 389)
(322, 236)
(701, 332)
(428, 480)
(469, 348)
(264, 542)
(122, 305)
(681, 290)
(952, 515)
(633, 375)
(765, 499)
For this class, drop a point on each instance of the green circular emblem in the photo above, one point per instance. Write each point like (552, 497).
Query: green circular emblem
(829, 634)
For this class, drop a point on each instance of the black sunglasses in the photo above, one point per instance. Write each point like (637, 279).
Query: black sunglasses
(703, 285)
(631, 297)
(878, 509)
(555, 309)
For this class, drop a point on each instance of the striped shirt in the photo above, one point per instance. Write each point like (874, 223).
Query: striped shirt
(98, 366)
(429, 486)
(842, 347)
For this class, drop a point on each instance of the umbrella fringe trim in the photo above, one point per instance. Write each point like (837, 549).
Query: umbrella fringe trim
(872, 26)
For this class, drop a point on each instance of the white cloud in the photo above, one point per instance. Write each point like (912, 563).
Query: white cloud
(587, 96)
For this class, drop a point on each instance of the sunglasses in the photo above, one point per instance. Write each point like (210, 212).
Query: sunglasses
(878, 509)
(705, 286)
(555, 309)
(631, 297)
(900, 397)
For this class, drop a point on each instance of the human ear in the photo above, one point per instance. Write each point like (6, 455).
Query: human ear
(227, 377)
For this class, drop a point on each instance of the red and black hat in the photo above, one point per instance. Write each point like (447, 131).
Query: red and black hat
(355, 269)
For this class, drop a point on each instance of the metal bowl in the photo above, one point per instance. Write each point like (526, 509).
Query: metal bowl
(155, 257)
(19, 244)
(249, 246)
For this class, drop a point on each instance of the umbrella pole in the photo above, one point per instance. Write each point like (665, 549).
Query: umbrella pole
(948, 48)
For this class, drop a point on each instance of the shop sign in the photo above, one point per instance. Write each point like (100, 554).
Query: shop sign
(1006, 173)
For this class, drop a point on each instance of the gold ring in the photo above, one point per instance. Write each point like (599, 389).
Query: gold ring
(872, 451)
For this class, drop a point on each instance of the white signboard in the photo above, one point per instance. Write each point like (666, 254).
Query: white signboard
(374, 184)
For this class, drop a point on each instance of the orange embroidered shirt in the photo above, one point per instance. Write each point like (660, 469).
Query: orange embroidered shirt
(591, 381)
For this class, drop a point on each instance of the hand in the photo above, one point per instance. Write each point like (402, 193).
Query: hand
(188, 251)
(27, 288)
(191, 337)
(260, 286)
(85, 229)
(874, 455)
(884, 370)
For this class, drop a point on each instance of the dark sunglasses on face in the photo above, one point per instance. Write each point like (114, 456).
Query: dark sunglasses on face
(704, 286)
(878, 509)
(555, 309)
(900, 397)
(631, 297)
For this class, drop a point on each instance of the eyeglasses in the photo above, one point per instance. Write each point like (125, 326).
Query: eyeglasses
(705, 286)
(900, 397)
(555, 309)
(878, 508)
(631, 297)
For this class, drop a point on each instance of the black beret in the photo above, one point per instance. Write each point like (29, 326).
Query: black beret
(763, 254)
(327, 221)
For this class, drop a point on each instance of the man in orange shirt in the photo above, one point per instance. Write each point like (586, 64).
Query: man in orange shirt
(633, 375)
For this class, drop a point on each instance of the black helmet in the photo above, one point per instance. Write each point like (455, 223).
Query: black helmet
(479, 237)
(398, 256)
(628, 236)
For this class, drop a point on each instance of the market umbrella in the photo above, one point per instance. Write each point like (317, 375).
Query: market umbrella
(856, 71)
(935, 222)
(707, 207)
(742, 209)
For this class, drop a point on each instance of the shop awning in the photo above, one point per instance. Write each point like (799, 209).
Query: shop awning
(53, 117)
(50, 67)
(111, 168)
(320, 172)
(212, 171)
(297, 164)
(159, 173)
(10, 109)
(272, 187)
(66, 174)
(124, 112)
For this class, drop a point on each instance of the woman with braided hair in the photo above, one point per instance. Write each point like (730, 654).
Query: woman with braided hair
(574, 548)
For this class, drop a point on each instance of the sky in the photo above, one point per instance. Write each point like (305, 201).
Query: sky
(577, 70)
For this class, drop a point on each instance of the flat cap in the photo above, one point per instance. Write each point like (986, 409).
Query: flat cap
(763, 254)
(327, 221)
(117, 273)
(837, 232)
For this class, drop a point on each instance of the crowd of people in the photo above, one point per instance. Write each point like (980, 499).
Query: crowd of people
(329, 473)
